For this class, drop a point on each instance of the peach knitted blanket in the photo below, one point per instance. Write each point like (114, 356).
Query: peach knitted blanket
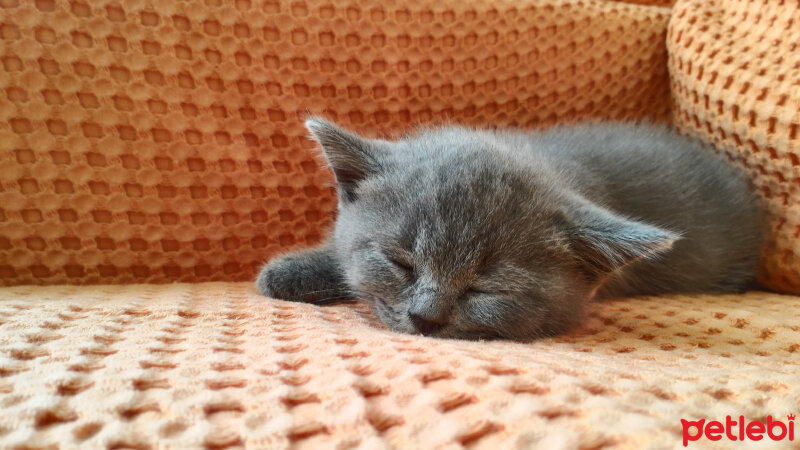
(216, 365)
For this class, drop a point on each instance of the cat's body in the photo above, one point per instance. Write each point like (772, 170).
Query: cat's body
(650, 174)
(462, 233)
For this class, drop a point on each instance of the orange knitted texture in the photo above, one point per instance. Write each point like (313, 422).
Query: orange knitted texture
(667, 3)
(218, 366)
(735, 75)
(155, 141)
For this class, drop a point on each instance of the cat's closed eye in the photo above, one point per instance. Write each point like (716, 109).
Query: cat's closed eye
(477, 291)
(402, 264)
(488, 287)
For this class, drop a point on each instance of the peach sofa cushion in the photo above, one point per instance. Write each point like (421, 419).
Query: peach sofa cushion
(162, 141)
(216, 365)
(735, 78)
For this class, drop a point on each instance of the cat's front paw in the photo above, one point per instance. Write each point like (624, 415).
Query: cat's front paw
(277, 280)
(307, 276)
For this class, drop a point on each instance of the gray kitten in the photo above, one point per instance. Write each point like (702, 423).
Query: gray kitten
(462, 233)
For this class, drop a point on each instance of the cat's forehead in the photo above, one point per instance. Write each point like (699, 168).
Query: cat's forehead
(447, 189)
(440, 220)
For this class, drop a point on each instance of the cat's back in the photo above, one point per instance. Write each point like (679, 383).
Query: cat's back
(651, 173)
(632, 155)
(642, 169)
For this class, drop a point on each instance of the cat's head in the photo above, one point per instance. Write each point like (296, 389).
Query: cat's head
(450, 236)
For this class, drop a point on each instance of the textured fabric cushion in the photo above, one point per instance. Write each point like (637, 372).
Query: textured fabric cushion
(735, 76)
(667, 3)
(158, 141)
(216, 364)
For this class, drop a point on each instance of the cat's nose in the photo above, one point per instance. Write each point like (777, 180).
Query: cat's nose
(426, 325)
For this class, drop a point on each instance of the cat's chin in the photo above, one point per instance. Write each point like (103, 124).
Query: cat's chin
(487, 334)
(394, 321)
(469, 335)
(556, 323)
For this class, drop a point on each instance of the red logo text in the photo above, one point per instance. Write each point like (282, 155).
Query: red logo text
(738, 430)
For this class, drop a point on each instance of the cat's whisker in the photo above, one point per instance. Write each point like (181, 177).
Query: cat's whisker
(320, 291)
(325, 296)
(321, 301)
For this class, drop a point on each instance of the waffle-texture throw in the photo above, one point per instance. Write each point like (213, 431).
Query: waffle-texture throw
(217, 365)
(154, 141)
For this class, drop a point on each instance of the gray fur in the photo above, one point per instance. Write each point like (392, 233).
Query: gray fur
(463, 233)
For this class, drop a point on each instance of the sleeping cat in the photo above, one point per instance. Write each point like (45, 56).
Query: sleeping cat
(476, 234)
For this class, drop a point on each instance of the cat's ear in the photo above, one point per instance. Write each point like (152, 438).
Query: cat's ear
(352, 158)
(605, 242)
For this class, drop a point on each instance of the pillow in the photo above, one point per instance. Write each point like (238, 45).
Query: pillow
(163, 141)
